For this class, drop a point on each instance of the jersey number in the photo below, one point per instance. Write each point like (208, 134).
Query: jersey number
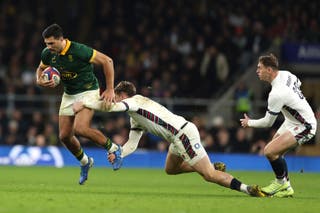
(296, 89)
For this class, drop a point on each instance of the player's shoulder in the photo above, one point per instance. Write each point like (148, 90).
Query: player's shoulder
(287, 76)
(138, 98)
(282, 81)
(132, 99)
(46, 55)
(285, 72)
(141, 100)
(78, 45)
(45, 51)
(75, 44)
(81, 50)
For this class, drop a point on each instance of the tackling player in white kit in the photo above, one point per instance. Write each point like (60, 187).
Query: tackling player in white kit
(299, 124)
(186, 154)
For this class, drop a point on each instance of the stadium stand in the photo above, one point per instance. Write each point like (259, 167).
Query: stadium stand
(184, 53)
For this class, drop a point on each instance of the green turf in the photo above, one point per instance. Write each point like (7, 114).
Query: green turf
(47, 189)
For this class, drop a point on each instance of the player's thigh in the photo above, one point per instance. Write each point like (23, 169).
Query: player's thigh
(173, 161)
(281, 144)
(66, 126)
(83, 118)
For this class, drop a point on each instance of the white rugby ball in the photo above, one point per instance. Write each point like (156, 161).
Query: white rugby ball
(52, 73)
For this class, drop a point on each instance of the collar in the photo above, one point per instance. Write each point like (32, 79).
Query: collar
(66, 48)
(276, 79)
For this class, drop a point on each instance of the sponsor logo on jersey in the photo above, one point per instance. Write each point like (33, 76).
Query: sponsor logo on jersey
(54, 60)
(67, 75)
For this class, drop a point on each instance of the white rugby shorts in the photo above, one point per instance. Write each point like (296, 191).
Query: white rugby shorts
(187, 145)
(299, 131)
(67, 101)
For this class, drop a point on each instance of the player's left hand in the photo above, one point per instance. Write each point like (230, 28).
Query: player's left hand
(108, 97)
(111, 157)
(244, 121)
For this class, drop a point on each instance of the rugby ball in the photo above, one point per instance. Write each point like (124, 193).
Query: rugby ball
(52, 73)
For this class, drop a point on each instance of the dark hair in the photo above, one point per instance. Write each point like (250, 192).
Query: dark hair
(126, 87)
(269, 61)
(53, 30)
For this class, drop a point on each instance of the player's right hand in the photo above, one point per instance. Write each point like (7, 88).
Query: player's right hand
(111, 157)
(244, 121)
(41, 81)
(108, 97)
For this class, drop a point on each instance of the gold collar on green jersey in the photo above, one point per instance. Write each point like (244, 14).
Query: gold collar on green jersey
(66, 48)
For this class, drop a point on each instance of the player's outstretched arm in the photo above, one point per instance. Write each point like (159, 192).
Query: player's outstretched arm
(99, 106)
(130, 146)
(266, 121)
(132, 143)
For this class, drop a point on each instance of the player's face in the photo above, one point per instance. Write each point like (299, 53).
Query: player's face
(262, 72)
(120, 97)
(55, 45)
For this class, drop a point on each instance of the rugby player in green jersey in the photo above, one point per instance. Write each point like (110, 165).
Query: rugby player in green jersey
(75, 63)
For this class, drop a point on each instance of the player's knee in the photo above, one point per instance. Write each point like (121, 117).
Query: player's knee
(64, 136)
(171, 171)
(268, 153)
(80, 129)
(210, 177)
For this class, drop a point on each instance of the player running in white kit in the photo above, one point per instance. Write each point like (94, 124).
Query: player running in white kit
(186, 153)
(299, 124)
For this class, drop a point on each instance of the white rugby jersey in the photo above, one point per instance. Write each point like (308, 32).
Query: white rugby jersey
(146, 115)
(151, 116)
(286, 97)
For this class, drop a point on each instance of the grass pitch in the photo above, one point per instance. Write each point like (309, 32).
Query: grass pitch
(48, 189)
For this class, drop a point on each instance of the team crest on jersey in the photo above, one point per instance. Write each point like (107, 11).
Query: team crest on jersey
(67, 75)
(70, 58)
(54, 60)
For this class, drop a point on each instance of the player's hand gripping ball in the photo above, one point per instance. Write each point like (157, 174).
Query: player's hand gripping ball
(52, 73)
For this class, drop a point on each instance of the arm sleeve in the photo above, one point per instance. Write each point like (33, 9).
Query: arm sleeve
(266, 121)
(115, 107)
(132, 143)
(275, 104)
(128, 104)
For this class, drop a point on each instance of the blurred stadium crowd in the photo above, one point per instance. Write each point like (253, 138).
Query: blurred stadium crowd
(191, 49)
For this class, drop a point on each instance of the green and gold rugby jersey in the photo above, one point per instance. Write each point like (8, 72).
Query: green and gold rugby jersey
(73, 63)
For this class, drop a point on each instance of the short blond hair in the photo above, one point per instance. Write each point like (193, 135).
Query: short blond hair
(126, 87)
(269, 61)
